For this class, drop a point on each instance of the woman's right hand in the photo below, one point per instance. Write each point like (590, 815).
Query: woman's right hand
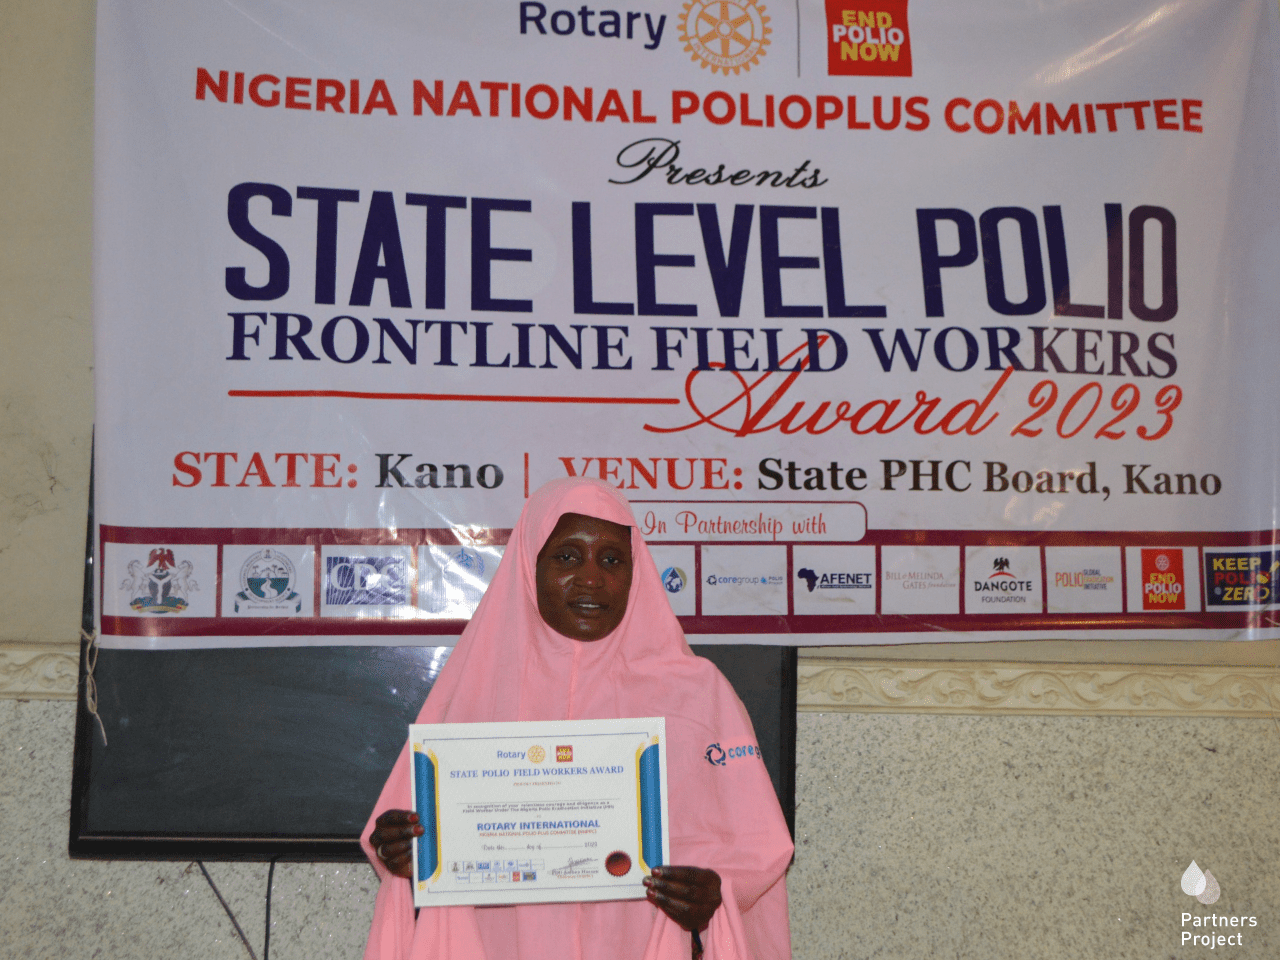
(392, 841)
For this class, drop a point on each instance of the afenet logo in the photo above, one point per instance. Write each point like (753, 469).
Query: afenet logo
(366, 581)
(609, 24)
(868, 38)
(834, 581)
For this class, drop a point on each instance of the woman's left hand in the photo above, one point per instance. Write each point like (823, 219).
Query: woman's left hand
(688, 895)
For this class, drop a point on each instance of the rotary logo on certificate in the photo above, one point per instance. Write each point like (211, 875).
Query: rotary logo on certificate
(538, 812)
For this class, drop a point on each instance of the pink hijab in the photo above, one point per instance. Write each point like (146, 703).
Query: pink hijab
(509, 665)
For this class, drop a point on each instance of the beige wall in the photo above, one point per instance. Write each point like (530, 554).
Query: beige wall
(46, 364)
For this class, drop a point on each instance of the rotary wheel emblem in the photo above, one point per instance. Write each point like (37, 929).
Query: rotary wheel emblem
(537, 754)
(725, 34)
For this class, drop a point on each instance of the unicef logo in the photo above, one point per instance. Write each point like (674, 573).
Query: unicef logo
(674, 580)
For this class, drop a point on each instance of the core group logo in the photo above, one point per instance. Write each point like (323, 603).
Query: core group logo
(1163, 583)
(722, 581)
(719, 756)
(868, 38)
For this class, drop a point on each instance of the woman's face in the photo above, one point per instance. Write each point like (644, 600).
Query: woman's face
(584, 576)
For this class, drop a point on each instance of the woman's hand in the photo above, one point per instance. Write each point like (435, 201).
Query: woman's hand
(392, 840)
(688, 895)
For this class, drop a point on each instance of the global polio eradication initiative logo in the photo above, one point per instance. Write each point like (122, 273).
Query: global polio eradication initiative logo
(725, 34)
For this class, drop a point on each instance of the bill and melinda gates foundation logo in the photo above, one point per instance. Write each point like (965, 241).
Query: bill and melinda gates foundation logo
(868, 38)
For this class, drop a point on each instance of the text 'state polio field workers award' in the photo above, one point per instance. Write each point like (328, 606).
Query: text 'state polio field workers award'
(538, 812)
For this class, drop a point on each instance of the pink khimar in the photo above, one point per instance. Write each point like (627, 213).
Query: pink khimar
(509, 665)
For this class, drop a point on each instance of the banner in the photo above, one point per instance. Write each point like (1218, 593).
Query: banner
(895, 320)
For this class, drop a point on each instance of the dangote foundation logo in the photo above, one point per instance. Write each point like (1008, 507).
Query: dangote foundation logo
(724, 35)
(868, 38)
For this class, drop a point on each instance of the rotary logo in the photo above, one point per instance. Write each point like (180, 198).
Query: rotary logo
(725, 35)
(162, 585)
(537, 754)
(267, 579)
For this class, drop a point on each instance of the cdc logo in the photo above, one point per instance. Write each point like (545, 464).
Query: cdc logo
(674, 580)
(366, 581)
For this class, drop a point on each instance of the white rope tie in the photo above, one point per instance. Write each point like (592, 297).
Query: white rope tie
(90, 684)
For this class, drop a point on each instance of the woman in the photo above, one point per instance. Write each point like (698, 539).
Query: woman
(576, 626)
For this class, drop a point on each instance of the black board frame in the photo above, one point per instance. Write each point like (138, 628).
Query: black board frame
(765, 678)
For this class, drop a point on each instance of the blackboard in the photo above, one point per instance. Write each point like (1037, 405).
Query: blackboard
(279, 752)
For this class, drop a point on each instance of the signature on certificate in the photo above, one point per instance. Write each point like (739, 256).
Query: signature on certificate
(573, 866)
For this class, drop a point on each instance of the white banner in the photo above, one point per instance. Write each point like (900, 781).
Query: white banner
(893, 320)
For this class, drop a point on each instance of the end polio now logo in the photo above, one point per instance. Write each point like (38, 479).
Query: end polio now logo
(868, 38)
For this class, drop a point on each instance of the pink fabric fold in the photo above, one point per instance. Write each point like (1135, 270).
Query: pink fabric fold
(509, 665)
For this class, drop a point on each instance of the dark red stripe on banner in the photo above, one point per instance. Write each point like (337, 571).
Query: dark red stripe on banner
(354, 537)
(446, 397)
(796, 625)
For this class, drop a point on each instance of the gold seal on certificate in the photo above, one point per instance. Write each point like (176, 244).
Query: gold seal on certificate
(538, 812)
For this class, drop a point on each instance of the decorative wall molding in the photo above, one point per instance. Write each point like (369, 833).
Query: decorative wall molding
(39, 671)
(896, 686)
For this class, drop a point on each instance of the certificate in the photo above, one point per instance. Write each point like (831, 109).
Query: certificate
(538, 812)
